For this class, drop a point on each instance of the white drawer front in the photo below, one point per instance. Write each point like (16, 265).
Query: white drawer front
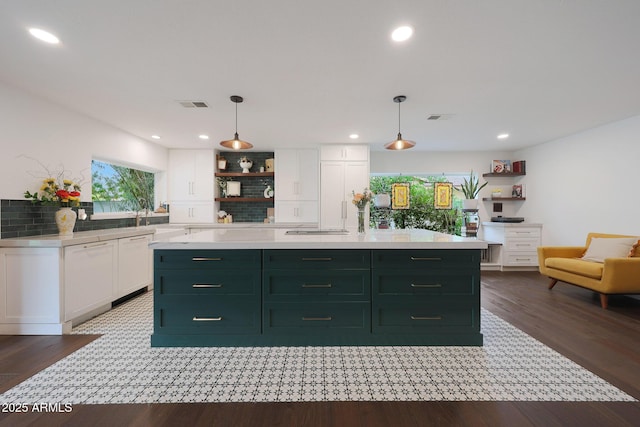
(522, 232)
(530, 245)
(520, 259)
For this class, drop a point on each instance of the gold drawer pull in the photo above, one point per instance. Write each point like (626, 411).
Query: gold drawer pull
(426, 285)
(317, 259)
(195, 258)
(205, 285)
(426, 318)
(316, 285)
(417, 258)
(207, 319)
(314, 319)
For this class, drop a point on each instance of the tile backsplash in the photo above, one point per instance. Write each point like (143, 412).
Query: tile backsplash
(22, 218)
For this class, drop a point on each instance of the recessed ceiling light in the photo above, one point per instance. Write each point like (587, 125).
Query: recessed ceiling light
(203, 136)
(354, 136)
(43, 35)
(401, 34)
(503, 136)
(155, 136)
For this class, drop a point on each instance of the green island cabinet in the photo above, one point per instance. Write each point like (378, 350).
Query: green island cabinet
(276, 297)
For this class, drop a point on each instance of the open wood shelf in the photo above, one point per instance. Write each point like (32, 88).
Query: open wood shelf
(244, 174)
(500, 199)
(505, 174)
(243, 199)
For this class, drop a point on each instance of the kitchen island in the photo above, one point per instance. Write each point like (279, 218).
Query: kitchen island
(264, 287)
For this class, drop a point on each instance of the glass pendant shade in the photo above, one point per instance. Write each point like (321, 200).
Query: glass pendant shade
(236, 143)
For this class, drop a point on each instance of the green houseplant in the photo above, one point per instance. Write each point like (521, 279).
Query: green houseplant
(470, 188)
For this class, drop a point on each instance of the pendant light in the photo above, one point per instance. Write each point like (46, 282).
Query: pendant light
(236, 143)
(399, 144)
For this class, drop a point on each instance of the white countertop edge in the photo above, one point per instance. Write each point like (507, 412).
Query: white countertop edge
(78, 238)
(478, 244)
(278, 239)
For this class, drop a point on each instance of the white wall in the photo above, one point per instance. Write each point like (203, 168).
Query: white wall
(585, 182)
(55, 136)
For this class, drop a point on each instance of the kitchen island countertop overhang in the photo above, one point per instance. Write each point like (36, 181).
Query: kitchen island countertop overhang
(279, 239)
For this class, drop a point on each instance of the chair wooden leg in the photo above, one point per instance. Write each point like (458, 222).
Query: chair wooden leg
(604, 300)
(553, 283)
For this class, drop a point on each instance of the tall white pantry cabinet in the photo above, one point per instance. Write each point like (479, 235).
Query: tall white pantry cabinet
(191, 186)
(343, 170)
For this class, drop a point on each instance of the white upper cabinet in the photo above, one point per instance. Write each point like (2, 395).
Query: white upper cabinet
(344, 152)
(296, 185)
(191, 175)
(296, 176)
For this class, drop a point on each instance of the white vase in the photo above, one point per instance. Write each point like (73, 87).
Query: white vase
(470, 204)
(382, 200)
(246, 165)
(66, 220)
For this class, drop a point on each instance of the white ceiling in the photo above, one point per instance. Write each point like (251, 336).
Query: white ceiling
(315, 71)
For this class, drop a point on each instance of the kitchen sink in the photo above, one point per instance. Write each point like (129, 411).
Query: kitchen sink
(312, 232)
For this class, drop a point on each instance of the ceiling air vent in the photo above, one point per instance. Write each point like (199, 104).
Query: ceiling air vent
(439, 116)
(193, 104)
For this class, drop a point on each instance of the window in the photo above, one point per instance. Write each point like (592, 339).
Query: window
(422, 212)
(120, 189)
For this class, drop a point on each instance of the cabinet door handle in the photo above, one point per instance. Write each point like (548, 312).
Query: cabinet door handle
(195, 258)
(417, 258)
(317, 259)
(426, 317)
(426, 285)
(296, 187)
(205, 285)
(316, 285)
(343, 213)
(207, 319)
(95, 245)
(316, 319)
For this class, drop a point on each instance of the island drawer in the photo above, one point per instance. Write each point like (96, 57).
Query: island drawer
(412, 282)
(207, 282)
(207, 259)
(316, 285)
(316, 259)
(401, 259)
(197, 315)
(287, 318)
(432, 316)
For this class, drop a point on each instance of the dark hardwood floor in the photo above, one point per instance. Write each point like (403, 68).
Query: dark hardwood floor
(568, 319)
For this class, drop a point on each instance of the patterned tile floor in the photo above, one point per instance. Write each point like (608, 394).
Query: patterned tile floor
(121, 367)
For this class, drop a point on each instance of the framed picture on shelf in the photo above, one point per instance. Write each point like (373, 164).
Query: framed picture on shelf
(222, 163)
(516, 191)
(442, 195)
(400, 195)
(501, 166)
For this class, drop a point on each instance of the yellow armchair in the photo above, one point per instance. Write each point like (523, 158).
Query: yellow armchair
(613, 276)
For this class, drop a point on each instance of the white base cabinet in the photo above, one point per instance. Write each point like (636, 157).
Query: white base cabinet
(518, 244)
(135, 264)
(90, 273)
(45, 290)
(191, 212)
(30, 295)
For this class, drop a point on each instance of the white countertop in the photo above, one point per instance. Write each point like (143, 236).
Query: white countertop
(78, 238)
(511, 224)
(258, 238)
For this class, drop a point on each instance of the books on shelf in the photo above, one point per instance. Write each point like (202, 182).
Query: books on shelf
(520, 166)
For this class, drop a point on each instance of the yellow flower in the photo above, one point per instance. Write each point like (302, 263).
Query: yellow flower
(67, 182)
(49, 181)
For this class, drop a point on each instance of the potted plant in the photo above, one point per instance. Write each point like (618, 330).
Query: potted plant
(470, 188)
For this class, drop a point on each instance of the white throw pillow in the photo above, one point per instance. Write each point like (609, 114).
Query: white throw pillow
(608, 247)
